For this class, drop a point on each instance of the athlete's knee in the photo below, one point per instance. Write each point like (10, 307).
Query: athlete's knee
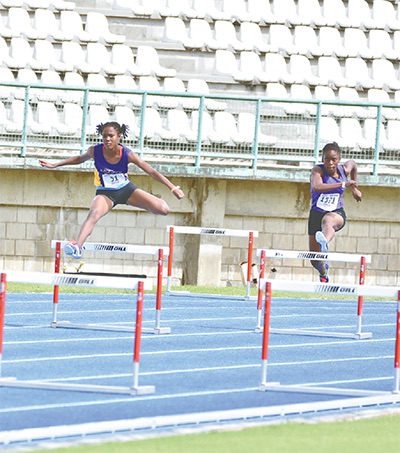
(163, 208)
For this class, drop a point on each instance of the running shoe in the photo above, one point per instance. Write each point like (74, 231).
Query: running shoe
(322, 241)
(73, 249)
(325, 278)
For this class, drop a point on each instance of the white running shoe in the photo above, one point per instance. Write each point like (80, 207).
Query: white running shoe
(322, 241)
(73, 249)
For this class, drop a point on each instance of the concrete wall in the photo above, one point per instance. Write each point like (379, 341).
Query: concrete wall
(37, 206)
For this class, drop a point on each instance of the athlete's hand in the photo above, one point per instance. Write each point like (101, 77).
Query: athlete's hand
(357, 195)
(178, 192)
(46, 164)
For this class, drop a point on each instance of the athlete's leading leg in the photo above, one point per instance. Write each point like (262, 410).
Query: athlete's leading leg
(144, 200)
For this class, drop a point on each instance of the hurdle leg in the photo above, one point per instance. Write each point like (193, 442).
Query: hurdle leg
(260, 291)
(265, 341)
(170, 257)
(249, 263)
(136, 390)
(56, 288)
(158, 329)
(3, 289)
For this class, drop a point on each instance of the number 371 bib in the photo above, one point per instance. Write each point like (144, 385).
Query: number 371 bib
(328, 202)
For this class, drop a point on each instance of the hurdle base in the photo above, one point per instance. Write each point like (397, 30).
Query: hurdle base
(276, 387)
(85, 388)
(108, 327)
(316, 333)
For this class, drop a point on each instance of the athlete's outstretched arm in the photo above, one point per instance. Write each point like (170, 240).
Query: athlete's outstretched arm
(75, 160)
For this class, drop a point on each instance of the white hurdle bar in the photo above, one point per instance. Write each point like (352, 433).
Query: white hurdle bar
(339, 257)
(212, 231)
(98, 282)
(324, 288)
(113, 248)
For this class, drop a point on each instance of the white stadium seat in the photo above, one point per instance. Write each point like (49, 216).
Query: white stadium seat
(252, 37)
(97, 26)
(46, 20)
(71, 24)
(43, 50)
(285, 12)
(148, 61)
(225, 36)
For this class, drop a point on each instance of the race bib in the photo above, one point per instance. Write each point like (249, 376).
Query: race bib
(113, 181)
(328, 202)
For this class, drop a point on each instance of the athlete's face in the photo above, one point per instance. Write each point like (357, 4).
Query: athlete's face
(110, 137)
(331, 160)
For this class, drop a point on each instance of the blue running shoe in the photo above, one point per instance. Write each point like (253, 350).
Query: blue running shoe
(322, 241)
(73, 249)
(325, 278)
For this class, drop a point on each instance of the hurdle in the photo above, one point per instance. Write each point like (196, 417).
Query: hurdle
(338, 257)
(324, 288)
(113, 248)
(81, 281)
(249, 234)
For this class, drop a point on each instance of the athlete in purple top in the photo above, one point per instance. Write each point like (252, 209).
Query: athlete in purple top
(327, 185)
(113, 186)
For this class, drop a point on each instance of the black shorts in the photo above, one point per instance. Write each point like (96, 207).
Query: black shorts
(118, 196)
(315, 220)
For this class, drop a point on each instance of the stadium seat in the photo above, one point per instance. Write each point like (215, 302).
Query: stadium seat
(359, 10)
(369, 132)
(276, 68)
(384, 15)
(127, 83)
(225, 35)
(50, 77)
(139, 8)
(392, 139)
(43, 51)
(153, 129)
(72, 116)
(100, 97)
(62, 5)
(329, 68)
(12, 3)
(300, 92)
(37, 4)
(352, 95)
(225, 126)
(237, 9)
(122, 57)
(6, 125)
(380, 40)
(151, 84)
(71, 24)
(175, 31)
(329, 131)
(383, 71)
(225, 64)
(207, 9)
(19, 21)
(280, 36)
(7, 76)
(48, 116)
(45, 19)
(335, 10)
(382, 96)
(73, 79)
(355, 40)
(306, 42)
(299, 67)
(276, 90)
(21, 56)
(331, 42)
(251, 36)
(200, 86)
(285, 12)
(17, 116)
(326, 93)
(357, 69)
(351, 134)
(7, 32)
(73, 54)
(310, 11)
(97, 26)
(200, 32)
(179, 124)
(176, 85)
(262, 9)
(97, 55)
(148, 61)
(246, 125)
(251, 63)
(125, 115)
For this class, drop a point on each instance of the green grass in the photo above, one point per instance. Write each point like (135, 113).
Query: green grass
(372, 435)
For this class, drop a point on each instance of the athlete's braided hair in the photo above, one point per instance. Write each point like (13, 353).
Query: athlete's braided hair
(122, 129)
(333, 146)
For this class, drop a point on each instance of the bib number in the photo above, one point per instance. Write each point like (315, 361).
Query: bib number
(113, 181)
(328, 202)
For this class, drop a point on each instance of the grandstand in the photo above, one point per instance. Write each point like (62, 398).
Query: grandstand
(232, 89)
